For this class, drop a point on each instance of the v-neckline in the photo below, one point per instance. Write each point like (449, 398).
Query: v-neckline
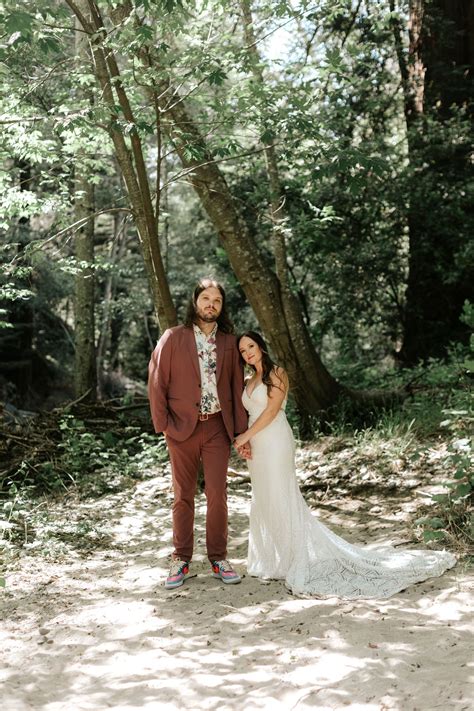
(253, 389)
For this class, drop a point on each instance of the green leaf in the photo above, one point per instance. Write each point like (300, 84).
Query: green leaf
(169, 5)
(145, 32)
(462, 490)
(436, 522)
(267, 136)
(145, 127)
(14, 38)
(433, 536)
(9, 292)
(422, 521)
(440, 498)
(109, 439)
(217, 77)
(49, 45)
(19, 21)
(333, 58)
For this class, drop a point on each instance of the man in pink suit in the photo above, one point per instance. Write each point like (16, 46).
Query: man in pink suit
(195, 389)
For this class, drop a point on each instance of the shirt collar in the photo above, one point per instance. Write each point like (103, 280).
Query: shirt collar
(198, 331)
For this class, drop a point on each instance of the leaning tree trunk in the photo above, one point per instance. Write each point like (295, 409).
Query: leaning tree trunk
(313, 387)
(290, 308)
(131, 160)
(433, 79)
(85, 369)
(278, 314)
(278, 215)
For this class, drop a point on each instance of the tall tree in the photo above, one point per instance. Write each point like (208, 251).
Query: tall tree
(129, 156)
(314, 388)
(85, 370)
(437, 90)
(16, 341)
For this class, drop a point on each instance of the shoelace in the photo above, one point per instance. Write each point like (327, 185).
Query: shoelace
(225, 566)
(176, 566)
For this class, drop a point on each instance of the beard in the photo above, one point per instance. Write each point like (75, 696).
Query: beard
(207, 317)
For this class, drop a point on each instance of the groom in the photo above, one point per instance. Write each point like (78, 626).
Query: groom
(195, 388)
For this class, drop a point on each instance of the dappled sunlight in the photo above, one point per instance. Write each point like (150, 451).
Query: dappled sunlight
(103, 632)
(447, 607)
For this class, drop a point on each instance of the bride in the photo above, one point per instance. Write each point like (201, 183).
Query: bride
(286, 539)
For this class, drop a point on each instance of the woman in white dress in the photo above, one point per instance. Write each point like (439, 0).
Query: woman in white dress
(286, 539)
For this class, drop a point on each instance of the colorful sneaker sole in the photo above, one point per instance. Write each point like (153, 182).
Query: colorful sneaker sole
(229, 579)
(176, 580)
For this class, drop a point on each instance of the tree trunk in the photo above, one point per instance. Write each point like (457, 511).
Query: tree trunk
(433, 78)
(313, 387)
(131, 162)
(277, 200)
(290, 307)
(116, 252)
(274, 305)
(85, 368)
(85, 371)
(16, 343)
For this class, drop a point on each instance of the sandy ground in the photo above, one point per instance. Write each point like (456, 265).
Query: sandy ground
(101, 632)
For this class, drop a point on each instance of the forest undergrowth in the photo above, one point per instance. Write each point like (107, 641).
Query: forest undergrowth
(54, 462)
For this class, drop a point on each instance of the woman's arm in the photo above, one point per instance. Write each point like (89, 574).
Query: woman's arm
(276, 396)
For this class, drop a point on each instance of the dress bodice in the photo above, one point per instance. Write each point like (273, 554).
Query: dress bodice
(256, 403)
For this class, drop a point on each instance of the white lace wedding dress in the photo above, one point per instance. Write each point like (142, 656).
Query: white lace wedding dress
(288, 542)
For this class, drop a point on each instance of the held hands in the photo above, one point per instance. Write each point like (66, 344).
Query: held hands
(245, 451)
(242, 446)
(241, 440)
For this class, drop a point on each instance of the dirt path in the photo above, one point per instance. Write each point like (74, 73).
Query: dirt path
(101, 632)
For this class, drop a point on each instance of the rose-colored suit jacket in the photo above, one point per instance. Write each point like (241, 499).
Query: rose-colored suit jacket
(174, 384)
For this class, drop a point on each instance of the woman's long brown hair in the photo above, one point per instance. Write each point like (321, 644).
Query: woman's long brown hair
(268, 365)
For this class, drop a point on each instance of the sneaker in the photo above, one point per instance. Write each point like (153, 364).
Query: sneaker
(179, 571)
(222, 569)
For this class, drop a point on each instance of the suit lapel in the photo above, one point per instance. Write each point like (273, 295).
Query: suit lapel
(192, 350)
(220, 346)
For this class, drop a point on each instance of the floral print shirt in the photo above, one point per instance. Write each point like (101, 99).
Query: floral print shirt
(207, 352)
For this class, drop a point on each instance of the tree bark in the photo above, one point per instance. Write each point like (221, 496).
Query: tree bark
(313, 387)
(16, 343)
(274, 305)
(85, 371)
(277, 200)
(85, 368)
(116, 252)
(290, 307)
(131, 161)
(433, 79)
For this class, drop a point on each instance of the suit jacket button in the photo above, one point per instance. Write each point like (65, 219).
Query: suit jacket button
(197, 404)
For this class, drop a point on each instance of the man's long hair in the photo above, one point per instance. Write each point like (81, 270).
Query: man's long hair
(268, 365)
(224, 323)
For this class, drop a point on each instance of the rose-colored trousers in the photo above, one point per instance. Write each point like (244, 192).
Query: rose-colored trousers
(210, 443)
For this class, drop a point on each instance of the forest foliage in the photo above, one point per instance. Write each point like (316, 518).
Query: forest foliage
(365, 110)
